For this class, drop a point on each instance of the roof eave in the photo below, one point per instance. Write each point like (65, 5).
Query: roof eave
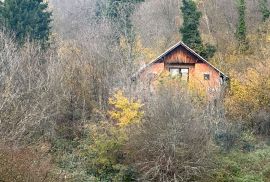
(200, 57)
(172, 48)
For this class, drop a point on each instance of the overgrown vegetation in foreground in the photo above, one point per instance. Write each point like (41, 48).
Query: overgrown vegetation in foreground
(122, 139)
(68, 110)
(244, 166)
(85, 130)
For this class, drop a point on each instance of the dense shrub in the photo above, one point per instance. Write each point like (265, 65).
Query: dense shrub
(104, 150)
(239, 166)
(173, 142)
(231, 136)
(26, 164)
(105, 156)
(261, 122)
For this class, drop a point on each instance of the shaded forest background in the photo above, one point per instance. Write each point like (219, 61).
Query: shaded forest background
(69, 111)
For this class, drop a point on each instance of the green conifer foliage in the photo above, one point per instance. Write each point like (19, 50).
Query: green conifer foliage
(190, 30)
(241, 31)
(27, 19)
(1, 9)
(264, 10)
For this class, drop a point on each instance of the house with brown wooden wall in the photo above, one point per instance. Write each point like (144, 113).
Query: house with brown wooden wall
(183, 62)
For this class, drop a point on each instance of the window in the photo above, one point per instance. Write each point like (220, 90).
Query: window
(182, 72)
(206, 76)
(175, 71)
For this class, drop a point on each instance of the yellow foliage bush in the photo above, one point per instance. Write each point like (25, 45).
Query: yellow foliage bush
(249, 73)
(105, 153)
(249, 93)
(125, 111)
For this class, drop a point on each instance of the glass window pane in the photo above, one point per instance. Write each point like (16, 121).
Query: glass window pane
(184, 74)
(206, 76)
(184, 71)
(174, 71)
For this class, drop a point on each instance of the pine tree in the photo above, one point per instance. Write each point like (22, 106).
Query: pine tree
(27, 19)
(264, 10)
(241, 27)
(1, 11)
(190, 30)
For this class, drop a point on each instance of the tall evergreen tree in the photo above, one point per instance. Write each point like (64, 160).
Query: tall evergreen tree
(241, 32)
(1, 17)
(264, 10)
(27, 19)
(190, 29)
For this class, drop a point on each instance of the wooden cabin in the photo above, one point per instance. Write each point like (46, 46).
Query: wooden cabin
(183, 62)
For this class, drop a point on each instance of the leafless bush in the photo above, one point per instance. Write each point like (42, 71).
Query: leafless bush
(262, 123)
(42, 89)
(51, 94)
(25, 100)
(158, 22)
(29, 99)
(25, 165)
(173, 142)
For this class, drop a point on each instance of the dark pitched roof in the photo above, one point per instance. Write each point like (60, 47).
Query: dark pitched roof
(173, 48)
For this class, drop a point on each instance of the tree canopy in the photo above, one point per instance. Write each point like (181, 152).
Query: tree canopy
(27, 19)
(190, 29)
(264, 10)
(241, 26)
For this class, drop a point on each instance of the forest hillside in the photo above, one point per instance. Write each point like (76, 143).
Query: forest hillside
(70, 110)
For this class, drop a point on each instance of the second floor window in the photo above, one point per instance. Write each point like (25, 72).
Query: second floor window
(181, 72)
(174, 71)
